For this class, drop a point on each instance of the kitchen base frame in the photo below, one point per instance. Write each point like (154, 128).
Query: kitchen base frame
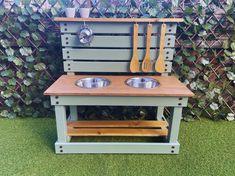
(63, 144)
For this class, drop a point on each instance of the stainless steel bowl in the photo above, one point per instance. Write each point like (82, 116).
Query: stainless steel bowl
(142, 82)
(92, 83)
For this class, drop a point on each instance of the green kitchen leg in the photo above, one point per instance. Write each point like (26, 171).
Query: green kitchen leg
(160, 110)
(61, 123)
(73, 113)
(174, 124)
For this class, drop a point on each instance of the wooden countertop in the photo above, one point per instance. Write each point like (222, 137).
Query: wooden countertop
(120, 20)
(169, 86)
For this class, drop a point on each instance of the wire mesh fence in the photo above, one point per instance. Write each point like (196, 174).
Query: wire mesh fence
(200, 62)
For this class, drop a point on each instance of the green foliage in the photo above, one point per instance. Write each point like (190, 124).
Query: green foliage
(201, 67)
(29, 61)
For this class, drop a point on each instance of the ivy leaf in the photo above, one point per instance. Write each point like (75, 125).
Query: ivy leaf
(6, 94)
(230, 19)
(9, 51)
(202, 33)
(30, 59)
(35, 37)
(2, 10)
(152, 12)
(7, 73)
(20, 42)
(4, 43)
(191, 58)
(24, 34)
(189, 20)
(178, 60)
(9, 102)
(40, 66)
(214, 106)
(35, 16)
(188, 10)
(25, 51)
(41, 28)
(205, 61)
(18, 62)
(22, 18)
(2, 83)
(20, 75)
(233, 46)
(231, 76)
(226, 44)
(27, 82)
(12, 82)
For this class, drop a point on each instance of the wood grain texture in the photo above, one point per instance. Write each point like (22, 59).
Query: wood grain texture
(114, 28)
(118, 20)
(170, 86)
(147, 64)
(135, 65)
(160, 63)
(118, 123)
(116, 132)
(117, 128)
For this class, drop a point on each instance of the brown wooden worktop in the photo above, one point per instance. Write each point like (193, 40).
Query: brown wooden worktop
(169, 86)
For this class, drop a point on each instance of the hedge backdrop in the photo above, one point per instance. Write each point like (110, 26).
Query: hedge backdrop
(30, 57)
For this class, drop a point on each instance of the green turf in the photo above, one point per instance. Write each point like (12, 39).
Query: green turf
(26, 148)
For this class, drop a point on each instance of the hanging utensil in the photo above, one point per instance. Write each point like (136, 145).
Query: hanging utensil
(160, 63)
(135, 65)
(85, 34)
(147, 63)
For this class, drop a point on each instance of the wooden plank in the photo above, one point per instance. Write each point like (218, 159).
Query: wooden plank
(115, 41)
(118, 20)
(81, 66)
(119, 124)
(114, 28)
(169, 87)
(111, 54)
(116, 132)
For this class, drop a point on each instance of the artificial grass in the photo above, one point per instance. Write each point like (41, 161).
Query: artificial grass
(26, 149)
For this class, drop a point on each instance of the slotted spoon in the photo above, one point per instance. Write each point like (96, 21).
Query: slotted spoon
(147, 62)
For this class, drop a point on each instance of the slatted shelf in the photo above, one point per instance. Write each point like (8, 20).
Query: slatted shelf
(118, 128)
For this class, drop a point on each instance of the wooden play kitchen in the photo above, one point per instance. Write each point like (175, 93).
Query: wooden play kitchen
(110, 46)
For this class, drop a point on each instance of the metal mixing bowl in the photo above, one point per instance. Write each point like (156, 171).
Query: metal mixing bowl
(92, 83)
(142, 82)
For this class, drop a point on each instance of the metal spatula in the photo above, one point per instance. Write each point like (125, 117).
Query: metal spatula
(147, 63)
(160, 63)
(135, 65)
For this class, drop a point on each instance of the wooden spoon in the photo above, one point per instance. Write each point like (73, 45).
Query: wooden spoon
(135, 65)
(147, 63)
(160, 63)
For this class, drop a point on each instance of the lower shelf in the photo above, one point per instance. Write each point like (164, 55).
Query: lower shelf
(117, 128)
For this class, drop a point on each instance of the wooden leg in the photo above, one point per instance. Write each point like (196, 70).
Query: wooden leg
(160, 110)
(73, 113)
(176, 113)
(61, 123)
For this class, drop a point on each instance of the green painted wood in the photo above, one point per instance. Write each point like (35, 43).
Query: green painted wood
(119, 101)
(117, 147)
(115, 41)
(88, 66)
(61, 124)
(109, 28)
(111, 54)
(174, 125)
